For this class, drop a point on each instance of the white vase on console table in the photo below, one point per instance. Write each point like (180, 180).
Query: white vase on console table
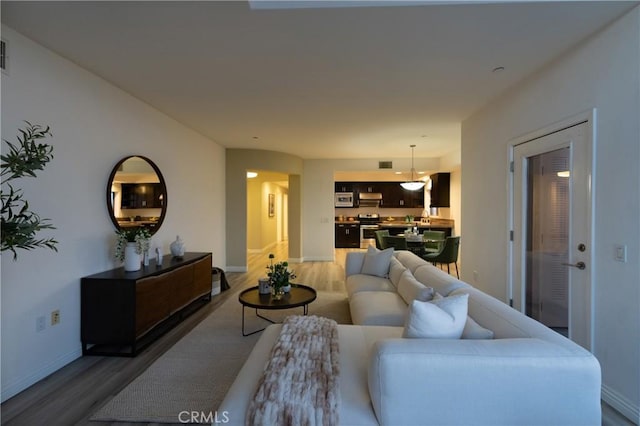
(177, 247)
(131, 258)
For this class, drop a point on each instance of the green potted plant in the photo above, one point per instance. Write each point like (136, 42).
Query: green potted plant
(19, 224)
(131, 244)
(279, 276)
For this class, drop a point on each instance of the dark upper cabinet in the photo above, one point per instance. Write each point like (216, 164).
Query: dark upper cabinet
(368, 186)
(440, 189)
(141, 195)
(391, 195)
(414, 198)
(394, 196)
(344, 187)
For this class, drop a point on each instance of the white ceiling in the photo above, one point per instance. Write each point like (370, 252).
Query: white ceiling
(327, 82)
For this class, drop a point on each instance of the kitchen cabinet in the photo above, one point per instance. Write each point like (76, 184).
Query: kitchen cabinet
(440, 189)
(142, 195)
(122, 312)
(368, 186)
(347, 235)
(395, 196)
(343, 187)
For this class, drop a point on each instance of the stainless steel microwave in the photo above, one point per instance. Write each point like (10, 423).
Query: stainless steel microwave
(344, 199)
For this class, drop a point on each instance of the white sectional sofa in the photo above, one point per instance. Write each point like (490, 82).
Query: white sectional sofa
(506, 369)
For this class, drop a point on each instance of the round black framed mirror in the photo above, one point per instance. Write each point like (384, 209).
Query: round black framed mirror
(136, 194)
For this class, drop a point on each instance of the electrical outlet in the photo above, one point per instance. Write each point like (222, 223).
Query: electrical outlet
(620, 253)
(55, 317)
(40, 323)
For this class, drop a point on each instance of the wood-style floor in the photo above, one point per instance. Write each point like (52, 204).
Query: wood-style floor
(71, 395)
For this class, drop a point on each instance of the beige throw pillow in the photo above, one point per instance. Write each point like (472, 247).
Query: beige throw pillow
(411, 289)
(473, 330)
(438, 319)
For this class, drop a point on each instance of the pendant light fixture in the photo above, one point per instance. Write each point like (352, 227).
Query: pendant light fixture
(413, 184)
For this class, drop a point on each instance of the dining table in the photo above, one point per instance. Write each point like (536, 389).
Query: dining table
(418, 245)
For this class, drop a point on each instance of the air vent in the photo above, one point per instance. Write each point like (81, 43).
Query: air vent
(385, 164)
(3, 55)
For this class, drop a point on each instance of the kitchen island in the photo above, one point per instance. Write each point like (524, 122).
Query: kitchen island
(396, 227)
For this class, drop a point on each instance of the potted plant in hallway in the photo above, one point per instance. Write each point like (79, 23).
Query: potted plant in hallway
(279, 276)
(131, 245)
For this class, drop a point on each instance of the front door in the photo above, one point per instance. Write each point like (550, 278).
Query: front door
(552, 230)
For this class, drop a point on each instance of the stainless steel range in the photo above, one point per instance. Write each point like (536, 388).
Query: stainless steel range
(368, 225)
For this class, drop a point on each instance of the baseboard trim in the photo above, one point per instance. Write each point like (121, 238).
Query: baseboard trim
(319, 259)
(237, 269)
(12, 389)
(621, 404)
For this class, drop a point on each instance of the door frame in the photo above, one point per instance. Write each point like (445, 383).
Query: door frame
(588, 117)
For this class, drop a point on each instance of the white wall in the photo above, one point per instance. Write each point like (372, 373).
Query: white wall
(603, 73)
(94, 125)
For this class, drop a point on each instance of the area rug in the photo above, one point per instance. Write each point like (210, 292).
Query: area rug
(195, 374)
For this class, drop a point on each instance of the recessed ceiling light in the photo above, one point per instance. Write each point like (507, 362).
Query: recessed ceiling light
(251, 175)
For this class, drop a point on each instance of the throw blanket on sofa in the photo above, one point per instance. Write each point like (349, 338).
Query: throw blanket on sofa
(300, 383)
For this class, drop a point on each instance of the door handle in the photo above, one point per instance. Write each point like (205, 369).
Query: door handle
(579, 265)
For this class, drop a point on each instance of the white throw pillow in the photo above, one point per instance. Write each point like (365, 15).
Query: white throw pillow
(438, 319)
(411, 289)
(473, 330)
(376, 262)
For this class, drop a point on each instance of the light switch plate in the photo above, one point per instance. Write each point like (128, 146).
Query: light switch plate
(620, 253)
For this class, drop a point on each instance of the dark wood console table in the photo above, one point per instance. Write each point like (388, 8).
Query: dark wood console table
(122, 312)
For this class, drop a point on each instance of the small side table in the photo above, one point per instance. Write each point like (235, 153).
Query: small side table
(299, 295)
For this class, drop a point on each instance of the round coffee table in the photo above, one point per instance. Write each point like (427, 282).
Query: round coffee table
(299, 295)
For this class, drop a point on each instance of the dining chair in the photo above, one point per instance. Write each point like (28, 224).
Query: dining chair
(396, 241)
(447, 255)
(380, 244)
(433, 241)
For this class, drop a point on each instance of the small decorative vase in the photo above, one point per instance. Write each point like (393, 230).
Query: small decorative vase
(277, 293)
(286, 288)
(132, 259)
(177, 247)
(264, 286)
(158, 257)
(145, 262)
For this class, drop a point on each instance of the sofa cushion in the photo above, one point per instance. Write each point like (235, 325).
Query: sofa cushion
(410, 260)
(439, 319)
(376, 262)
(434, 277)
(377, 308)
(396, 268)
(361, 282)
(411, 289)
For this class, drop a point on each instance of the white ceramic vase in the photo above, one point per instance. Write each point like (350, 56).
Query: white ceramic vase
(177, 247)
(132, 260)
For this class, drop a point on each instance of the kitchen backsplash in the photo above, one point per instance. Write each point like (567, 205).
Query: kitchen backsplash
(386, 212)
